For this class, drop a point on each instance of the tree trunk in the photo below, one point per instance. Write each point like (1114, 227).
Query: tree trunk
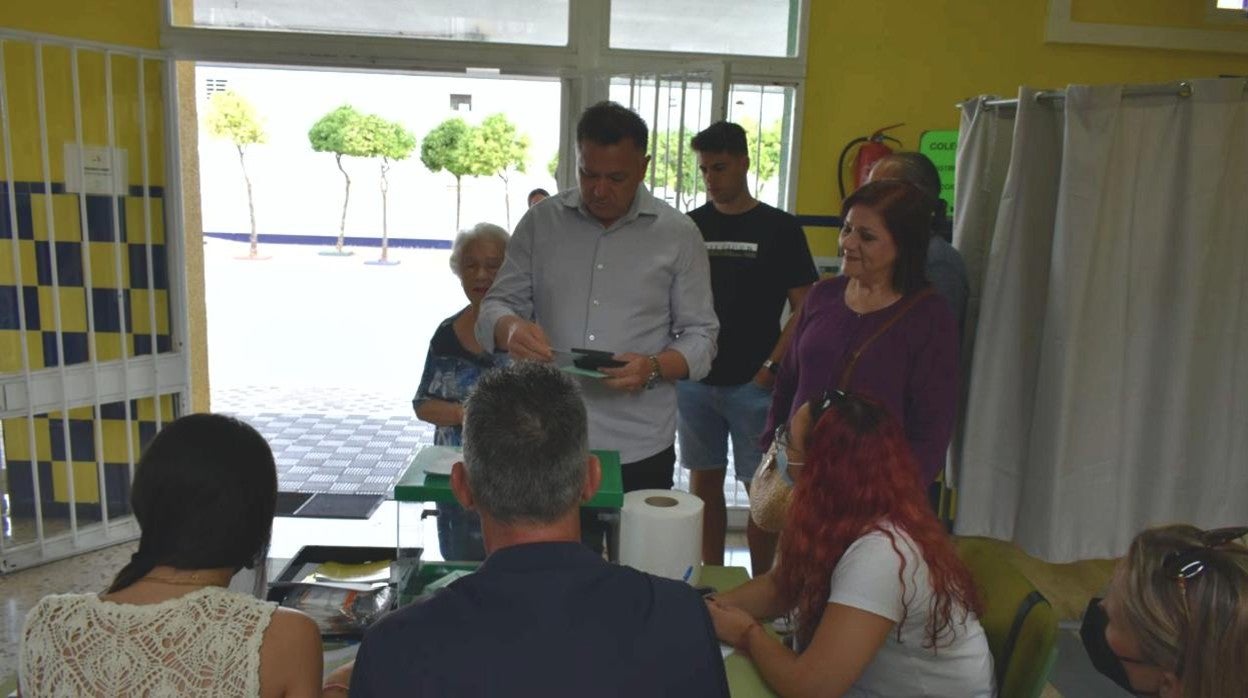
(506, 198)
(385, 232)
(457, 194)
(346, 196)
(251, 208)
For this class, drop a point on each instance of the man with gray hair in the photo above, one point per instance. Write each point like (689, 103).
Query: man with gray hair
(543, 615)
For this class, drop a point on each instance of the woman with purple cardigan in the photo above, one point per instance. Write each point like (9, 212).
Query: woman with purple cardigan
(879, 329)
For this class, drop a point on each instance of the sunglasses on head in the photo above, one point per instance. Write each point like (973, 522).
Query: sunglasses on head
(1182, 565)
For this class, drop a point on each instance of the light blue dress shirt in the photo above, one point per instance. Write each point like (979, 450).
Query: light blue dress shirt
(642, 285)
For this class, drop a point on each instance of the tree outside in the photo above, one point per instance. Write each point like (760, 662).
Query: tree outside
(501, 150)
(339, 132)
(677, 174)
(231, 117)
(448, 146)
(765, 152)
(389, 141)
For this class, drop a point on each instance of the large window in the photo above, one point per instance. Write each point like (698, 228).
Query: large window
(743, 27)
(542, 22)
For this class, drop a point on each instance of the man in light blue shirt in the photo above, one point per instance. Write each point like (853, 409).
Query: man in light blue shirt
(607, 266)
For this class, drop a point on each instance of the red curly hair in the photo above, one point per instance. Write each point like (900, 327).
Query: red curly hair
(860, 473)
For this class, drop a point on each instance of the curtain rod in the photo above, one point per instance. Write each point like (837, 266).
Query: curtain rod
(1182, 89)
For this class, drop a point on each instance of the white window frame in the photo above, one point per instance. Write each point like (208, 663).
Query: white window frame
(584, 66)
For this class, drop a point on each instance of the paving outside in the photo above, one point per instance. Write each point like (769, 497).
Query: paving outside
(323, 355)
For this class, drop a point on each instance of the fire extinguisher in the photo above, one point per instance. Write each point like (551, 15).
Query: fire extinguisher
(871, 150)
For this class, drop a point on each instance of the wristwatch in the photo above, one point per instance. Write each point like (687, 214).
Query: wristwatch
(772, 366)
(656, 372)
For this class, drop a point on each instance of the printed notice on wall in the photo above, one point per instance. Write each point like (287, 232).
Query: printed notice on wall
(942, 148)
(97, 171)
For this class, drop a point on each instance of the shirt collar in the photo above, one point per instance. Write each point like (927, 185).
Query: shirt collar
(644, 204)
(529, 557)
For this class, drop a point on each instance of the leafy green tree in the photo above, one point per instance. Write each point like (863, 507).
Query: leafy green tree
(678, 174)
(389, 141)
(231, 117)
(449, 146)
(501, 150)
(553, 166)
(764, 160)
(339, 132)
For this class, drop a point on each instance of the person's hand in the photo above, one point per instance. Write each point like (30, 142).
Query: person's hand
(731, 623)
(764, 379)
(630, 377)
(526, 340)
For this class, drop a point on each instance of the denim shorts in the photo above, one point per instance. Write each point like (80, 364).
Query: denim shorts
(710, 414)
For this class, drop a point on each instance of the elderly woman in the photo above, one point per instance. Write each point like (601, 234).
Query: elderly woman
(454, 363)
(883, 605)
(1175, 621)
(879, 329)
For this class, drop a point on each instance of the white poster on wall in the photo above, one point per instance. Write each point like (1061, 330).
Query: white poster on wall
(96, 171)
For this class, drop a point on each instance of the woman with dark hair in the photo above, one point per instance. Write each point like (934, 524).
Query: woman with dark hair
(882, 603)
(879, 329)
(945, 267)
(204, 494)
(1175, 621)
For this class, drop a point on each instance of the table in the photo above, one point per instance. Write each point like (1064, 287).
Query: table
(419, 486)
(744, 681)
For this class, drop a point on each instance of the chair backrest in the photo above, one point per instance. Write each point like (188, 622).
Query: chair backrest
(1020, 624)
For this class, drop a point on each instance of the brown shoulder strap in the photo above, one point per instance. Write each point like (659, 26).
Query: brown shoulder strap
(901, 311)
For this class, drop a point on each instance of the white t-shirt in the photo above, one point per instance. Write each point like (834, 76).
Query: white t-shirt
(866, 578)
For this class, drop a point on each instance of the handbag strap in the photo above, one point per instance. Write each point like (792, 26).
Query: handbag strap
(901, 311)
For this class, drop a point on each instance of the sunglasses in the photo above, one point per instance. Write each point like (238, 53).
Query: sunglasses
(858, 409)
(1182, 565)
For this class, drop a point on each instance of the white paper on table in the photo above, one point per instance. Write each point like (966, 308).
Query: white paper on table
(437, 459)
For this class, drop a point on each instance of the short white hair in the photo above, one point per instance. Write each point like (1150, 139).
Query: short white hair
(481, 231)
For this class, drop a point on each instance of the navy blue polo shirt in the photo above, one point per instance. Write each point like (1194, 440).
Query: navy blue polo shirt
(546, 619)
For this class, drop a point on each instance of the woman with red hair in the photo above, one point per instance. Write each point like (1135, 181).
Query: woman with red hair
(882, 603)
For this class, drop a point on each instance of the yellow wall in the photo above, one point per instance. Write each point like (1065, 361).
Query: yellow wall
(876, 63)
(126, 22)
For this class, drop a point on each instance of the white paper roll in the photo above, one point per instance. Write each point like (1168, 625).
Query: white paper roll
(661, 533)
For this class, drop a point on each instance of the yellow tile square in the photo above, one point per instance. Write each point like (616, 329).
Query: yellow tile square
(136, 226)
(65, 216)
(17, 439)
(116, 449)
(11, 350)
(140, 300)
(105, 258)
(73, 308)
(26, 258)
(108, 346)
(86, 482)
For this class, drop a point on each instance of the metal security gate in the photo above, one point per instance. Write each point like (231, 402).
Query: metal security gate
(92, 335)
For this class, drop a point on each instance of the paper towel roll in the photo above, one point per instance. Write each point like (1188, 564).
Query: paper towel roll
(661, 533)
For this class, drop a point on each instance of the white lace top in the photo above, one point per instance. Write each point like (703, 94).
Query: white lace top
(206, 643)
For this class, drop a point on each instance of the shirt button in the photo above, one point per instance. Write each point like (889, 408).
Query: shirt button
(600, 266)
(595, 301)
(591, 337)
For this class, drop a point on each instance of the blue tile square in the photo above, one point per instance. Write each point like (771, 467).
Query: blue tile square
(25, 221)
(99, 222)
(138, 266)
(106, 312)
(9, 319)
(75, 348)
(68, 263)
(81, 439)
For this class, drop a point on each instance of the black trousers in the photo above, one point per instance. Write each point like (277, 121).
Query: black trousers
(653, 473)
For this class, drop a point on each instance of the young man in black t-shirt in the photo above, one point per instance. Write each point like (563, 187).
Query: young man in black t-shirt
(759, 259)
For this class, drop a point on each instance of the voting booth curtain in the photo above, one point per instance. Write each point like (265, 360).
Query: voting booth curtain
(1106, 236)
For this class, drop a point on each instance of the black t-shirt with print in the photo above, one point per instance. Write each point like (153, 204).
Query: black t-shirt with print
(756, 257)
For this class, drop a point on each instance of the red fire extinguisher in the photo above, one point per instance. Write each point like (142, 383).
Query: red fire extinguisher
(871, 150)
